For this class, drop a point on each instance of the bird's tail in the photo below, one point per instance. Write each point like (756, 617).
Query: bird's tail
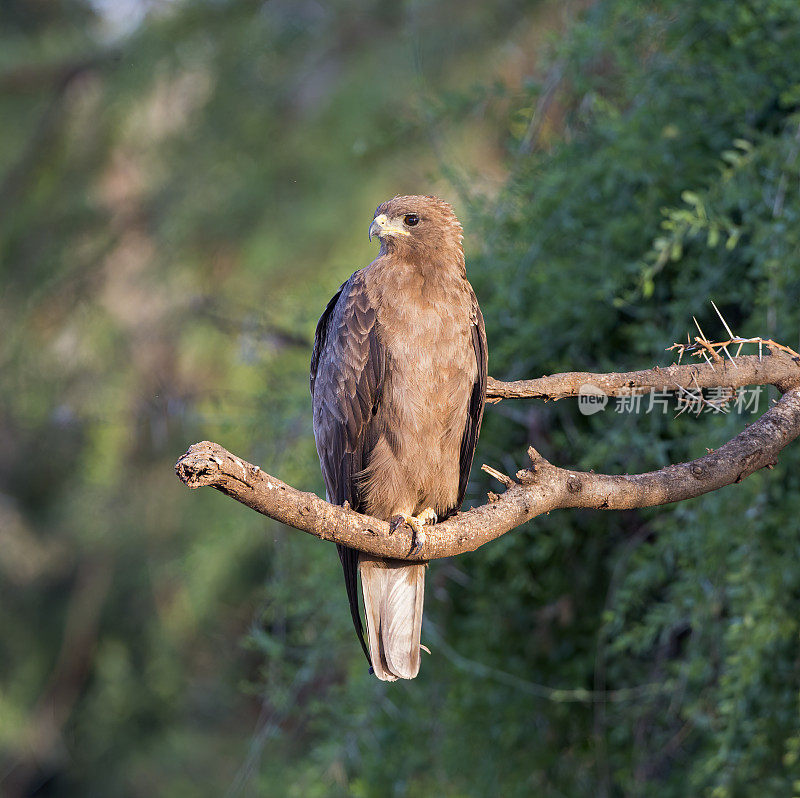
(393, 594)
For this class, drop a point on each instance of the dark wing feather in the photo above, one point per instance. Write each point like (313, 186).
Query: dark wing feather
(348, 367)
(477, 401)
(320, 336)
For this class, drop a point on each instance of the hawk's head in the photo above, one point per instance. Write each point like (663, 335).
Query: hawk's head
(415, 226)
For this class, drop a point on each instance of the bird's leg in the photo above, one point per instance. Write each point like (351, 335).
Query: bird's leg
(416, 522)
(427, 516)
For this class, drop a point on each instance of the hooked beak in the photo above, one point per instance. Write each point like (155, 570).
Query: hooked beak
(381, 226)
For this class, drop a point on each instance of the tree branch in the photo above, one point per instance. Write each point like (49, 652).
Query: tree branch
(544, 487)
(779, 369)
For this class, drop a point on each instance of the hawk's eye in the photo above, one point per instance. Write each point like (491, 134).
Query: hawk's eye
(411, 219)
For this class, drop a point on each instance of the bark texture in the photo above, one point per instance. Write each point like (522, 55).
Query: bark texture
(543, 487)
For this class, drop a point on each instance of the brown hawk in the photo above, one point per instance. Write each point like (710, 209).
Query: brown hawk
(398, 380)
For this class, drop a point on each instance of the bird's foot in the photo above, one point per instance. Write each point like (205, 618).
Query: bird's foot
(416, 522)
(428, 516)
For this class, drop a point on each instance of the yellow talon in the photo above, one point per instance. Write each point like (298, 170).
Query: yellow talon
(428, 516)
(416, 522)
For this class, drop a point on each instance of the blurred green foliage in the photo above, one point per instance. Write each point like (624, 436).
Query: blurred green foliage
(180, 194)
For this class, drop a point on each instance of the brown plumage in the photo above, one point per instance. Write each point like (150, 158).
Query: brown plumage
(398, 380)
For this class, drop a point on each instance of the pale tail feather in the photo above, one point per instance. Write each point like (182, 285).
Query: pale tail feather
(393, 597)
